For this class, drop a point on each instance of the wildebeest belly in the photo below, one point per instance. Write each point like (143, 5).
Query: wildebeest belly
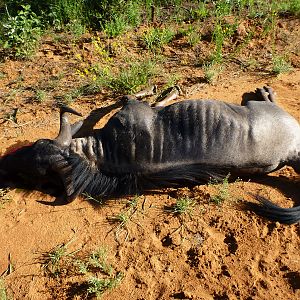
(139, 139)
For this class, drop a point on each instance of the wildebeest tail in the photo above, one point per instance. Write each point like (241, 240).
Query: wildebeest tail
(274, 212)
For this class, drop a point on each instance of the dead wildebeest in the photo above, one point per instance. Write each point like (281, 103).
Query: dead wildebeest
(144, 148)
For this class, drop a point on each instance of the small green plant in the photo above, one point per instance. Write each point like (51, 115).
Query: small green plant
(54, 259)
(220, 34)
(67, 15)
(97, 286)
(3, 291)
(184, 205)
(280, 65)
(40, 96)
(122, 218)
(116, 26)
(97, 263)
(201, 12)
(22, 32)
(138, 74)
(211, 72)
(171, 80)
(95, 199)
(193, 39)
(222, 191)
(129, 79)
(98, 259)
(155, 38)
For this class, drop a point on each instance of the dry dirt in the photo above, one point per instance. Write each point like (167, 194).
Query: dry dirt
(215, 252)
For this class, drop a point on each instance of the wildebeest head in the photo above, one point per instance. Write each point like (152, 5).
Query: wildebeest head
(39, 165)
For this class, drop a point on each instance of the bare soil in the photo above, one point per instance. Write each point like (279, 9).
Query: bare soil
(215, 252)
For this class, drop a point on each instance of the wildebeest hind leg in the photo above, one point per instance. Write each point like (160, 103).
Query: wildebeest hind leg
(261, 94)
(265, 94)
(87, 125)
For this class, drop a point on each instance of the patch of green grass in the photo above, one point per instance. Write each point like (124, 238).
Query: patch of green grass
(70, 96)
(98, 259)
(183, 205)
(116, 26)
(281, 65)
(155, 38)
(40, 96)
(222, 32)
(132, 78)
(171, 80)
(99, 273)
(211, 72)
(95, 272)
(222, 191)
(97, 286)
(53, 260)
(69, 15)
(122, 219)
(3, 291)
(200, 12)
(129, 79)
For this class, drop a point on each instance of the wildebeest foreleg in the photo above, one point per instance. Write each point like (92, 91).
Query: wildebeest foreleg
(85, 127)
(167, 96)
(152, 90)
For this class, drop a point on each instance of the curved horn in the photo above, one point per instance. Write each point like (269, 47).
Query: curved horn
(65, 133)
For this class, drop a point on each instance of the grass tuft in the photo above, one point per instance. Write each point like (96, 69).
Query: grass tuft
(211, 72)
(222, 191)
(281, 65)
(3, 291)
(184, 205)
(155, 38)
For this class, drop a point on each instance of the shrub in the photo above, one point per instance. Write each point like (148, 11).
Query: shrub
(22, 32)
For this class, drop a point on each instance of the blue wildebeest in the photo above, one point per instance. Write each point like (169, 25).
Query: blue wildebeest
(144, 148)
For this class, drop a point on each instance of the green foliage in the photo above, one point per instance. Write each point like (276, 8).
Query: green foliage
(53, 260)
(211, 71)
(281, 65)
(155, 38)
(116, 26)
(3, 291)
(67, 14)
(107, 14)
(40, 96)
(222, 31)
(222, 191)
(98, 259)
(184, 205)
(98, 286)
(22, 32)
(97, 263)
(129, 79)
